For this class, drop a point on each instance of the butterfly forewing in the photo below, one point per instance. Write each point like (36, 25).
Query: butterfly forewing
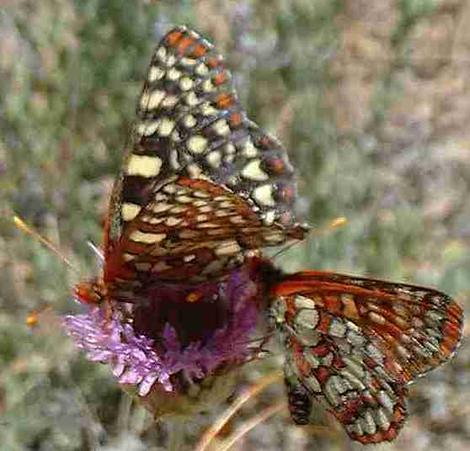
(191, 123)
(355, 343)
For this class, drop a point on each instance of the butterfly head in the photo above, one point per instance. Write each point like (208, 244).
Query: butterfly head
(90, 291)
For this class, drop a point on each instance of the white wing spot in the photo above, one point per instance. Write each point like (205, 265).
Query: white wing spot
(376, 318)
(386, 401)
(175, 136)
(337, 328)
(227, 248)
(155, 73)
(149, 238)
(269, 217)
(208, 110)
(221, 127)
(143, 266)
(274, 237)
(185, 61)
(144, 99)
(304, 302)
(264, 195)
(307, 318)
(252, 171)
(189, 121)
(368, 422)
(154, 99)
(191, 99)
(194, 171)
(201, 194)
(330, 392)
(207, 86)
(169, 101)
(312, 382)
(171, 221)
(147, 128)
(197, 144)
(161, 207)
(152, 220)
(161, 53)
(214, 158)
(174, 159)
(375, 353)
(311, 358)
(160, 266)
(381, 419)
(237, 220)
(170, 188)
(186, 84)
(129, 211)
(166, 127)
(184, 199)
(249, 150)
(202, 69)
(173, 74)
(143, 165)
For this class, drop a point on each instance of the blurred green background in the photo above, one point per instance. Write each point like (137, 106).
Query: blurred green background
(372, 100)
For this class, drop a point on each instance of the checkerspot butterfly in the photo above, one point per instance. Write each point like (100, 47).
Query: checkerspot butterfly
(354, 344)
(202, 190)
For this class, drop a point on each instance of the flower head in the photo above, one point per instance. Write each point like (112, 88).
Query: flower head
(165, 342)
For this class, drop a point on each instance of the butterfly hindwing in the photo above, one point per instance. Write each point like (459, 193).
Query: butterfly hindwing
(190, 231)
(355, 343)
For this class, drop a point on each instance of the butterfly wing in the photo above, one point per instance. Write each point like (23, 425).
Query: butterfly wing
(190, 122)
(192, 127)
(355, 343)
(190, 231)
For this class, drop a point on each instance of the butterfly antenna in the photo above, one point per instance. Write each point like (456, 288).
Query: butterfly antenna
(244, 397)
(20, 224)
(332, 225)
(96, 251)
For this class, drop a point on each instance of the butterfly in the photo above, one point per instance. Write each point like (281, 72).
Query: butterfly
(201, 192)
(200, 185)
(355, 344)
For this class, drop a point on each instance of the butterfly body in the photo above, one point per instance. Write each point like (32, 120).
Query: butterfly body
(202, 191)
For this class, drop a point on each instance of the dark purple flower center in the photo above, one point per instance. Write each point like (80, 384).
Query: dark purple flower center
(194, 312)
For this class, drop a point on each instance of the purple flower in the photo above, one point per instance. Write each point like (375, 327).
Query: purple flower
(165, 339)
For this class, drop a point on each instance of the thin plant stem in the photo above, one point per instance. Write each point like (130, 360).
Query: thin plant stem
(251, 424)
(246, 395)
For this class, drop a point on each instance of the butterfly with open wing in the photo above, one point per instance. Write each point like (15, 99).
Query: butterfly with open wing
(202, 191)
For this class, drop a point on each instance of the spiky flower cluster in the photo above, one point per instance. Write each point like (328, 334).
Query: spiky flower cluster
(145, 356)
